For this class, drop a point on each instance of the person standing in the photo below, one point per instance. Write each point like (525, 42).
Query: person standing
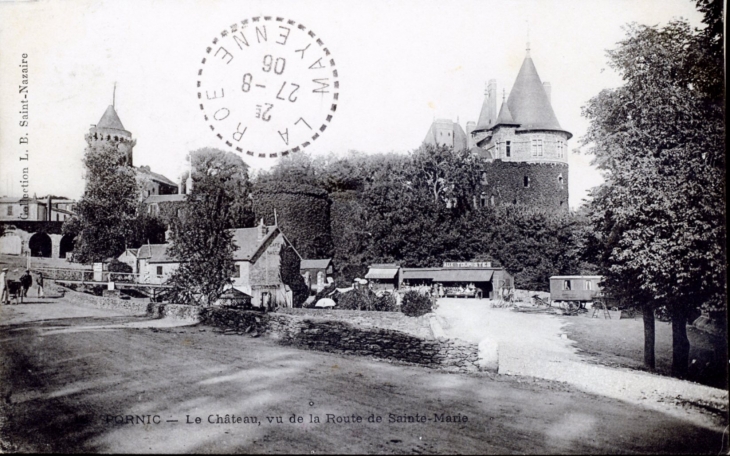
(4, 291)
(39, 281)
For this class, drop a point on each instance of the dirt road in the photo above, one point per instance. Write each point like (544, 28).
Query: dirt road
(70, 381)
(537, 345)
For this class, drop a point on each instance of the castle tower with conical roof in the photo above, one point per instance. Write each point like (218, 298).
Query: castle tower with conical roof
(524, 146)
(110, 130)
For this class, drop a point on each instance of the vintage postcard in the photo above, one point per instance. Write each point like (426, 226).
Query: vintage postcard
(384, 227)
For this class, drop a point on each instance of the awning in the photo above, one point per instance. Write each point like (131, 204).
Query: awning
(375, 273)
(463, 275)
(418, 274)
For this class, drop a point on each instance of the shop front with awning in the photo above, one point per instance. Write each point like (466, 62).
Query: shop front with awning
(383, 276)
(462, 279)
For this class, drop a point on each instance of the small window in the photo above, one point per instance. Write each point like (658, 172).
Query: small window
(589, 285)
(566, 285)
(526, 181)
(10, 210)
(238, 270)
(537, 148)
(508, 149)
(560, 180)
(483, 200)
(57, 217)
(159, 270)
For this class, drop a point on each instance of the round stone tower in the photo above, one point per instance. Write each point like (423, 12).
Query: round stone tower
(110, 130)
(524, 147)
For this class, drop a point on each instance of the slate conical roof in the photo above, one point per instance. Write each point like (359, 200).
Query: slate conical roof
(528, 101)
(110, 119)
(484, 121)
(505, 116)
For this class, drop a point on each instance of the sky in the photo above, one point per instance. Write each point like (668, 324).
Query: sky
(401, 64)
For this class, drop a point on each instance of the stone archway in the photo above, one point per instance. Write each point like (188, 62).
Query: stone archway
(40, 245)
(66, 245)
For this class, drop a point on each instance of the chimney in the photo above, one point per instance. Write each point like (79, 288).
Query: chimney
(261, 231)
(470, 126)
(49, 209)
(492, 89)
(189, 184)
(180, 185)
(548, 91)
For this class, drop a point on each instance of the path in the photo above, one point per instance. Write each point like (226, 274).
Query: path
(59, 388)
(536, 345)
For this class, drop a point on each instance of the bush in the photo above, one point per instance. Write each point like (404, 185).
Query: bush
(415, 304)
(366, 300)
(117, 266)
(385, 303)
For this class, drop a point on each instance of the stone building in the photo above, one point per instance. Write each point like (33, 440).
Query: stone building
(524, 149)
(317, 273)
(31, 227)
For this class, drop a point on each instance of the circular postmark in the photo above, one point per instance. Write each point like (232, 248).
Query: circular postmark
(267, 87)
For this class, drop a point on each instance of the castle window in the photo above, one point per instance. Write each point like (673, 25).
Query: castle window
(159, 270)
(238, 270)
(514, 201)
(560, 180)
(561, 204)
(508, 149)
(566, 285)
(537, 148)
(10, 210)
(526, 181)
(483, 200)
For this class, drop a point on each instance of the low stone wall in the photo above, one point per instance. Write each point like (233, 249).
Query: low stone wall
(396, 321)
(329, 335)
(131, 306)
(176, 311)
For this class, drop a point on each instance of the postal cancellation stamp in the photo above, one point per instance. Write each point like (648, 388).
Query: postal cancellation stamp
(267, 87)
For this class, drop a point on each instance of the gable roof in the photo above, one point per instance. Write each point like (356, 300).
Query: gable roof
(110, 119)
(248, 244)
(528, 103)
(164, 198)
(315, 264)
(155, 253)
(155, 176)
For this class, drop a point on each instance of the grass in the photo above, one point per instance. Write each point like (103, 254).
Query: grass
(620, 343)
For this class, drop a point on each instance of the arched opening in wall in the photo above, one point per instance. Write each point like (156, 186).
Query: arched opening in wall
(483, 200)
(514, 201)
(561, 204)
(526, 181)
(67, 245)
(560, 181)
(40, 245)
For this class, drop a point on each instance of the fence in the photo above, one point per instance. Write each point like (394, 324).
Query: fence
(86, 275)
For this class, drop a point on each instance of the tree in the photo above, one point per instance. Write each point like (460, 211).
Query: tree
(201, 238)
(107, 209)
(658, 220)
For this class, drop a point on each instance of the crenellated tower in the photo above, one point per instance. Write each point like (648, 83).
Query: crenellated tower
(110, 130)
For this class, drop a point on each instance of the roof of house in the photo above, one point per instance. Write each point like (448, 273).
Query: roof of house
(457, 133)
(233, 293)
(164, 198)
(381, 273)
(315, 264)
(528, 102)
(248, 243)
(110, 119)
(155, 253)
(156, 176)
